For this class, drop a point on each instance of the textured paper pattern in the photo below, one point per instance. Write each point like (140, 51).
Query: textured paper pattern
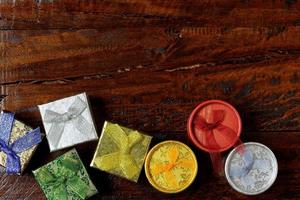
(65, 178)
(121, 151)
(171, 166)
(252, 172)
(72, 132)
(19, 129)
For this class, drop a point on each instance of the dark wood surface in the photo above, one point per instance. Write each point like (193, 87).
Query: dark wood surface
(146, 65)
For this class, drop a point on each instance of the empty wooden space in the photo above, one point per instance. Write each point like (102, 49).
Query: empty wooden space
(146, 65)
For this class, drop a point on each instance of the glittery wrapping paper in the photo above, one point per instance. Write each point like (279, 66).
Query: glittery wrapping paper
(19, 129)
(121, 151)
(59, 181)
(70, 135)
(171, 166)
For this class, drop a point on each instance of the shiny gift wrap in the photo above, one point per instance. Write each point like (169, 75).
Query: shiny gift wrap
(68, 122)
(65, 178)
(121, 151)
(17, 143)
(171, 166)
(253, 171)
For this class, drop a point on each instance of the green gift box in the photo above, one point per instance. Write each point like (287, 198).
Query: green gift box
(121, 151)
(65, 178)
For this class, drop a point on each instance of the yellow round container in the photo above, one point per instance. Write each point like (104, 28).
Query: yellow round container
(171, 166)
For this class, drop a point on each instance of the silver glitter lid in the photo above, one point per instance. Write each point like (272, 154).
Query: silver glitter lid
(251, 169)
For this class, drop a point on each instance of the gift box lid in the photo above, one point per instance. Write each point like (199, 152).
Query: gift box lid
(121, 151)
(65, 178)
(68, 121)
(251, 170)
(214, 126)
(171, 166)
(19, 142)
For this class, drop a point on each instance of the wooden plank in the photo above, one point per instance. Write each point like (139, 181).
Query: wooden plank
(45, 14)
(30, 55)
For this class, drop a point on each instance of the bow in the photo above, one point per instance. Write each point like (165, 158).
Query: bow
(122, 158)
(245, 167)
(59, 121)
(173, 162)
(247, 163)
(64, 180)
(30, 139)
(212, 130)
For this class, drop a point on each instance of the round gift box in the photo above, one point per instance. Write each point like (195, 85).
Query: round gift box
(157, 159)
(231, 120)
(251, 168)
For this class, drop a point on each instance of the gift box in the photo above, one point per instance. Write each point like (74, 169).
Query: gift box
(214, 126)
(251, 168)
(68, 122)
(171, 166)
(65, 178)
(121, 151)
(18, 142)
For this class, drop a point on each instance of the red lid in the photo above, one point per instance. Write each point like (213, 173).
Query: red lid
(214, 126)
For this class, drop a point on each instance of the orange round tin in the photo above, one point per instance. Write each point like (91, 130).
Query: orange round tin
(214, 126)
(171, 166)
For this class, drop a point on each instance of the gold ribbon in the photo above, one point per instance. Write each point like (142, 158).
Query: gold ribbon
(173, 162)
(122, 158)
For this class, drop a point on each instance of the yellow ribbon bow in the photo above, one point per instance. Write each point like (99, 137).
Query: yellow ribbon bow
(122, 158)
(173, 162)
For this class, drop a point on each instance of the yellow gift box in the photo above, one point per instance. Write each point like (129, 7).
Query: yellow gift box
(121, 151)
(171, 166)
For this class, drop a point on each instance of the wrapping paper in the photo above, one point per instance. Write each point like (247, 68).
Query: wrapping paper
(65, 178)
(121, 151)
(171, 166)
(68, 122)
(19, 130)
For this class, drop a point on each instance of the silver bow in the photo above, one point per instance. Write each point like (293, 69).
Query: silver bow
(59, 121)
(247, 163)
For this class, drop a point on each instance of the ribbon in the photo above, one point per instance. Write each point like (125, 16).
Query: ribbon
(245, 167)
(122, 158)
(59, 121)
(214, 129)
(247, 163)
(65, 179)
(30, 139)
(173, 162)
(210, 130)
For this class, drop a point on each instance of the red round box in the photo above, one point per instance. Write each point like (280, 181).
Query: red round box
(231, 119)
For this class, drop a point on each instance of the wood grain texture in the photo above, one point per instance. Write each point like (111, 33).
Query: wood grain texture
(146, 65)
(45, 14)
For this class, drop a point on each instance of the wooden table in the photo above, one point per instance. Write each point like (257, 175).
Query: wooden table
(146, 65)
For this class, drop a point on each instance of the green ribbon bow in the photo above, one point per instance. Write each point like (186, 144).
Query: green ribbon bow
(122, 158)
(65, 179)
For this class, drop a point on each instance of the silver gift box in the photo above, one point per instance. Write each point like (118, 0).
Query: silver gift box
(251, 168)
(68, 122)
